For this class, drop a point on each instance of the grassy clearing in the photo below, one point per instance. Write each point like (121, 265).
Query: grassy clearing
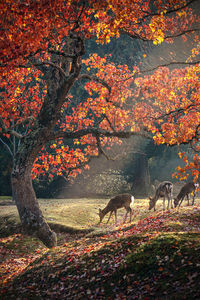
(155, 257)
(70, 214)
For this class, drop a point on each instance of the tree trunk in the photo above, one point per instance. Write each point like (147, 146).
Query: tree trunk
(30, 214)
(42, 131)
(141, 183)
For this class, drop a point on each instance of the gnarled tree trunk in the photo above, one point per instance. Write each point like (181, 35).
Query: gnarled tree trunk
(24, 196)
(30, 214)
(59, 75)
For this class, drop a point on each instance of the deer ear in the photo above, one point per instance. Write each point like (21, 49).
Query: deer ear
(150, 198)
(99, 210)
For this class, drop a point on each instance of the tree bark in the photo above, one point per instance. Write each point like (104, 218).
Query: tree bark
(59, 79)
(30, 214)
(33, 222)
(141, 183)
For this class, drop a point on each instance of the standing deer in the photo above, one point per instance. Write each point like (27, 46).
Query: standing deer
(187, 189)
(165, 190)
(119, 201)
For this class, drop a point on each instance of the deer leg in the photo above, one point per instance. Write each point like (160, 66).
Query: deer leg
(187, 195)
(164, 203)
(181, 200)
(169, 200)
(125, 216)
(128, 209)
(115, 211)
(154, 208)
(109, 217)
(131, 212)
(194, 194)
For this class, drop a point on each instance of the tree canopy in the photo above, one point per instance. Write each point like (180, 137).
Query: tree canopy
(47, 129)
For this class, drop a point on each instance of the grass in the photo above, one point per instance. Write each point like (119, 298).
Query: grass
(157, 256)
(71, 214)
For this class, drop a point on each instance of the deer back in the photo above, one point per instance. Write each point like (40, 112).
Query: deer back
(186, 189)
(119, 201)
(165, 188)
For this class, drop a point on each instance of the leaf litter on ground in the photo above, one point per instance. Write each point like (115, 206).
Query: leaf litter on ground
(147, 259)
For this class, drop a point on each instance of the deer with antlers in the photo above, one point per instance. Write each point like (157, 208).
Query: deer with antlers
(164, 190)
(119, 201)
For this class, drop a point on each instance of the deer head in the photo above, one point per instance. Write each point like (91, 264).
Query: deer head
(175, 202)
(101, 215)
(151, 202)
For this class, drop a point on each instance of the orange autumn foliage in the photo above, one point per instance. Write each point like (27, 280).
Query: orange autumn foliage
(119, 98)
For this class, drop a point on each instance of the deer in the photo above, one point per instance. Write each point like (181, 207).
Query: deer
(119, 201)
(164, 190)
(187, 189)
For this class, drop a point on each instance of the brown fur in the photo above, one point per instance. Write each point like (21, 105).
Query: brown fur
(119, 201)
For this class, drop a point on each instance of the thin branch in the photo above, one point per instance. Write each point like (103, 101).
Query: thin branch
(176, 112)
(135, 35)
(161, 66)
(196, 137)
(28, 119)
(170, 10)
(61, 53)
(101, 81)
(81, 165)
(9, 131)
(37, 64)
(181, 7)
(79, 17)
(6, 145)
(100, 153)
(95, 78)
(197, 134)
(100, 149)
(107, 119)
(171, 64)
(193, 147)
(182, 33)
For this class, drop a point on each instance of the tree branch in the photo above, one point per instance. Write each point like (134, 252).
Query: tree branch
(182, 33)
(7, 147)
(100, 149)
(51, 64)
(173, 63)
(95, 132)
(6, 130)
(95, 78)
(148, 15)
(61, 53)
(138, 37)
(101, 81)
(38, 64)
(176, 112)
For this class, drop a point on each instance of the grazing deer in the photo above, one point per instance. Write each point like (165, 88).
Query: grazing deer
(164, 190)
(119, 201)
(187, 189)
